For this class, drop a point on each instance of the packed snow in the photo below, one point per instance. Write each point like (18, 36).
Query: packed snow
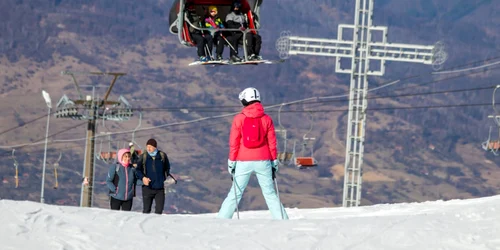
(456, 224)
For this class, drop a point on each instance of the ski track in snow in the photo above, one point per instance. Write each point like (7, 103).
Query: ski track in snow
(452, 225)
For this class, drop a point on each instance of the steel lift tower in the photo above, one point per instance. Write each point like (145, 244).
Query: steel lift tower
(364, 53)
(92, 109)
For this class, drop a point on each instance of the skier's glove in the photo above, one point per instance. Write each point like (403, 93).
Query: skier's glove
(275, 164)
(231, 166)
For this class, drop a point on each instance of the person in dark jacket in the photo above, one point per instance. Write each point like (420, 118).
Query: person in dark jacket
(254, 41)
(134, 154)
(235, 20)
(153, 168)
(198, 36)
(121, 182)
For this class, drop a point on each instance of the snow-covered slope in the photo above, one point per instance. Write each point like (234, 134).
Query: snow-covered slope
(457, 224)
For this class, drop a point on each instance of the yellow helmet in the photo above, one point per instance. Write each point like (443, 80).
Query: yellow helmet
(212, 7)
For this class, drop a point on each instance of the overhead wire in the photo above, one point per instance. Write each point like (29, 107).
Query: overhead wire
(42, 140)
(226, 115)
(313, 100)
(468, 69)
(288, 111)
(200, 109)
(7, 154)
(24, 124)
(414, 94)
(268, 107)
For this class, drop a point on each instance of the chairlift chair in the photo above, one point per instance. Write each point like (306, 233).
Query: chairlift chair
(56, 165)
(493, 145)
(178, 22)
(133, 142)
(108, 157)
(181, 26)
(284, 156)
(303, 161)
(16, 165)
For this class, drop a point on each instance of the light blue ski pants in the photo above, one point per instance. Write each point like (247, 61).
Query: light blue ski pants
(243, 171)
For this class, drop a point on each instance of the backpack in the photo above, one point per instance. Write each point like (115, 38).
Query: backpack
(144, 157)
(253, 132)
(116, 179)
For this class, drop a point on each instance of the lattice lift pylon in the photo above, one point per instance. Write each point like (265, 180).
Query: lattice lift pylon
(91, 109)
(363, 52)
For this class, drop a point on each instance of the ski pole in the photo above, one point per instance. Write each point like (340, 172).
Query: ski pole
(208, 52)
(278, 193)
(171, 176)
(228, 43)
(235, 196)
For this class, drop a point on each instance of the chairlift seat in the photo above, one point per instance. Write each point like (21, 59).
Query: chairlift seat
(138, 151)
(108, 155)
(304, 162)
(224, 8)
(285, 157)
(494, 145)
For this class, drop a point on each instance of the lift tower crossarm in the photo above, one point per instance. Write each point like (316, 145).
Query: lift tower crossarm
(367, 49)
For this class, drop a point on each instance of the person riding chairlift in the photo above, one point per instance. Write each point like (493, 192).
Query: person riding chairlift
(213, 22)
(198, 36)
(255, 41)
(236, 20)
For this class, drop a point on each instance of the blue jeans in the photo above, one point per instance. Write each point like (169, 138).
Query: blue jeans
(244, 170)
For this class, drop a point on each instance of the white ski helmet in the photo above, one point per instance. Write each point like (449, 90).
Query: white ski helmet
(249, 95)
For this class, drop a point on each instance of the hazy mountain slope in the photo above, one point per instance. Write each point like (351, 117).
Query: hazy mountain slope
(411, 154)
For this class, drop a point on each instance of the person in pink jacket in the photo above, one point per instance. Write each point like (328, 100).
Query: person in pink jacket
(252, 149)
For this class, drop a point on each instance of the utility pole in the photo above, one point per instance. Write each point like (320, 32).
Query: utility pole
(48, 101)
(363, 53)
(92, 109)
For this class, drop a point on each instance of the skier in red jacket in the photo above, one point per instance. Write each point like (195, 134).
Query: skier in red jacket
(252, 148)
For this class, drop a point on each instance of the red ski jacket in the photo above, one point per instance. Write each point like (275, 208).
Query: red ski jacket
(237, 151)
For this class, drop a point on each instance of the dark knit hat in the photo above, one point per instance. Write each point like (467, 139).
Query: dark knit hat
(151, 142)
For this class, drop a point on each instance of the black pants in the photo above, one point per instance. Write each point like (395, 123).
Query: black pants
(219, 41)
(148, 195)
(234, 40)
(200, 43)
(116, 204)
(254, 43)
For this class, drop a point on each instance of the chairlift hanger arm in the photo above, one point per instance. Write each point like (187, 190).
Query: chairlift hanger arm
(76, 85)
(279, 116)
(136, 128)
(493, 99)
(115, 77)
(311, 119)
